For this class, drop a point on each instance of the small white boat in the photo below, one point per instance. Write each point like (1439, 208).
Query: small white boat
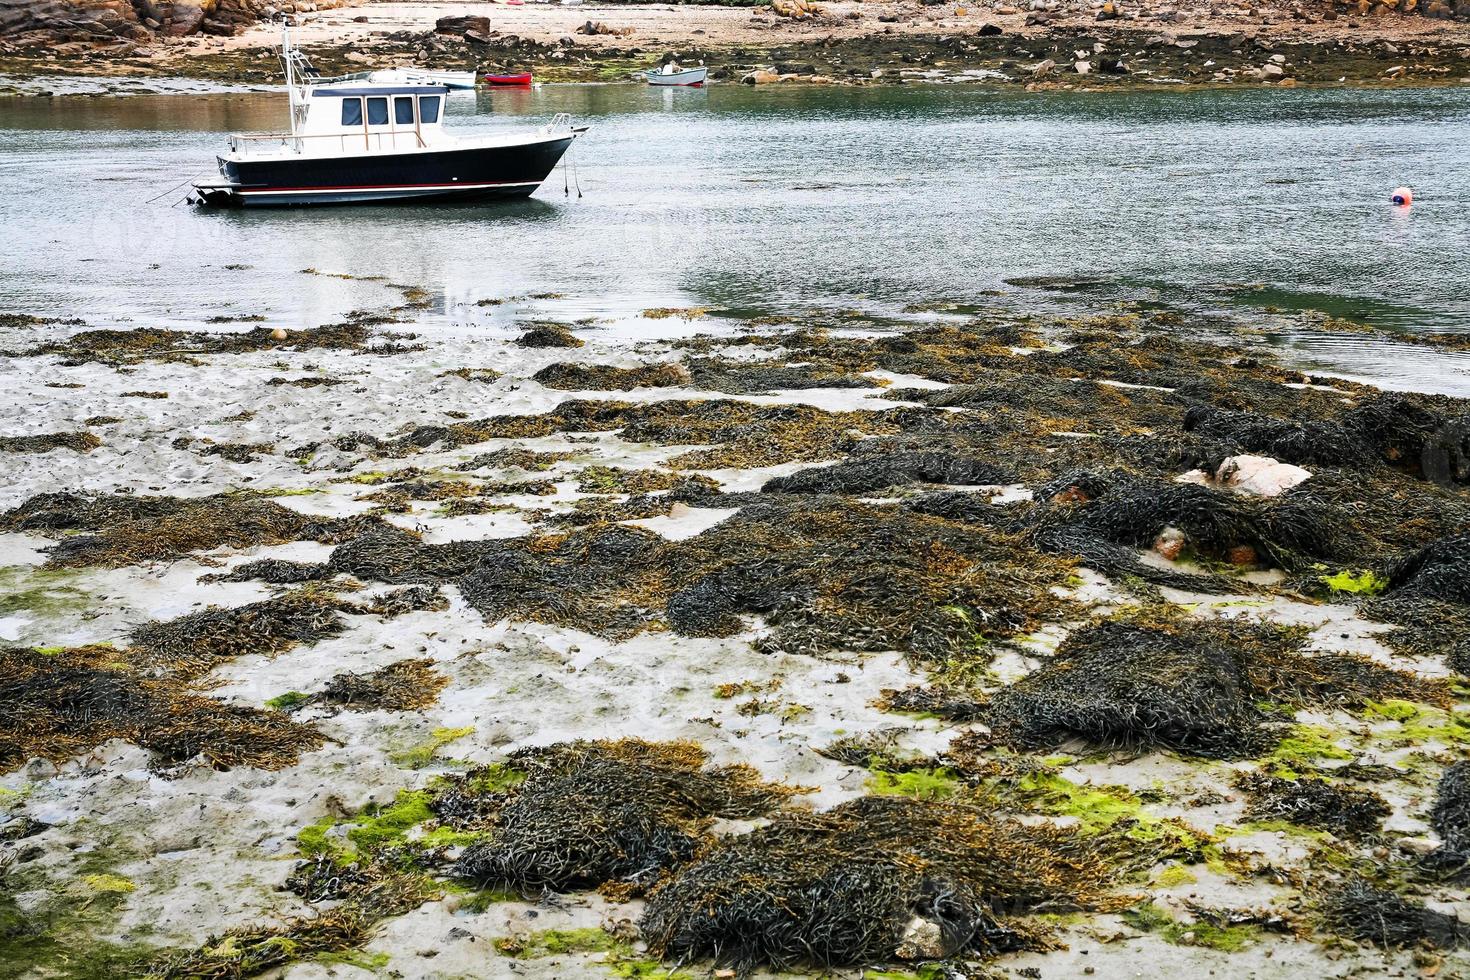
(422, 76)
(672, 74)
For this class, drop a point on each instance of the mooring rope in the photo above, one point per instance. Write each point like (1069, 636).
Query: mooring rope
(186, 180)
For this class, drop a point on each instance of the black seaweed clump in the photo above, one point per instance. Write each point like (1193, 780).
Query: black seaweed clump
(1194, 686)
(80, 442)
(132, 346)
(548, 334)
(1450, 817)
(1083, 512)
(841, 888)
(60, 705)
(1388, 430)
(121, 529)
(606, 377)
(590, 813)
(408, 685)
(193, 644)
(1438, 571)
(1119, 685)
(826, 574)
(752, 377)
(1362, 911)
(277, 571)
(1427, 595)
(883, 470)
(1314, 803)
(951, 704)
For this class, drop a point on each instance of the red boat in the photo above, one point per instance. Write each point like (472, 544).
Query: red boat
(524, 78)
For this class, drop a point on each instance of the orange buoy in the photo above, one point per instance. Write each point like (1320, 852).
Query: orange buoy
(279, 333)
(1403, 196)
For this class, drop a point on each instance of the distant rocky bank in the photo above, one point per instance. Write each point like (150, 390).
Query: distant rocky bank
(1043, 44)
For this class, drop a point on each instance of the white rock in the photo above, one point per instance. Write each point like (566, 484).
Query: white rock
(922, 940)
(1083, 67)
(1260, 475)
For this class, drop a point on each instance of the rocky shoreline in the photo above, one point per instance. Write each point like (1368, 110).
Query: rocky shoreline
(850, 44)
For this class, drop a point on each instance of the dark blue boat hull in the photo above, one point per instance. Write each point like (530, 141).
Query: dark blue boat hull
(470, 172)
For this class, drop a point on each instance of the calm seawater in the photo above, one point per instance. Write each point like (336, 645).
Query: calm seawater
(771, 200)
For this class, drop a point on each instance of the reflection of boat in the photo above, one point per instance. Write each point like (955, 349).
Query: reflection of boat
(522, 78)
(357, 139)
(422, 76)
(672, 74)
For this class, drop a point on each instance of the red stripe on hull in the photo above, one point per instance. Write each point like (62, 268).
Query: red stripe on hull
(381, 187)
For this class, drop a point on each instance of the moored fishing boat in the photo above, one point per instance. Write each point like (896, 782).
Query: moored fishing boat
(672, 74)
(357, 139)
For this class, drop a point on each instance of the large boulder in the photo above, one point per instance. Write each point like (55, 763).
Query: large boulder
(461, 25)
(70, 19)
(178, 17)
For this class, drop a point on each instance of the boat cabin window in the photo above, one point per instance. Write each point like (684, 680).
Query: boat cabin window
(352, 112)
(403, 110)
(429, 108)
(377, 111)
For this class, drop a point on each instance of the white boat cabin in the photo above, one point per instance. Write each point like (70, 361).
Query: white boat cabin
(356, 117)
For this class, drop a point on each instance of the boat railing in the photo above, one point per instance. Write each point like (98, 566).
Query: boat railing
(246, 143)
(562, 120)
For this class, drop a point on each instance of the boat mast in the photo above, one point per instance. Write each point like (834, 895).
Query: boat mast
(289, 56)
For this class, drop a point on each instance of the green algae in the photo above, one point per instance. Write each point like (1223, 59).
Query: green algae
(109, 884)
(372, 962)
(557, 942)
(317, 840)
(40, 591)
(1104, 809)
(288, 701)
(376, 828)
(938, 783)
(1419, 723)
(447, 837)
(497, 777)
(1302, 747)
(1175, 875)
(1279, 827)
(618, 956)
(1151, 918)
(479, 900)
(1366, 582)
(1095, 808)
(929, 972)
(421, 755)
(60, 936)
